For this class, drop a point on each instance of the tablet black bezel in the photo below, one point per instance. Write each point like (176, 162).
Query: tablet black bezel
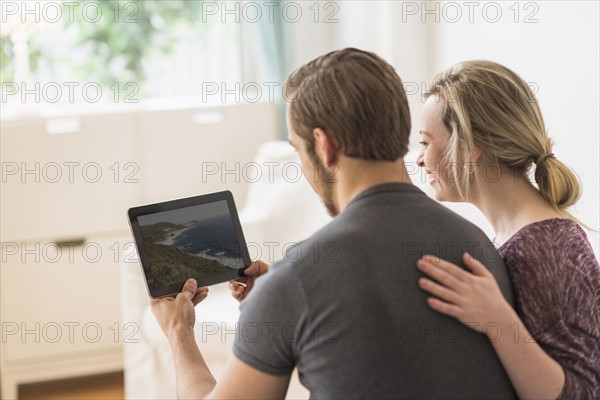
(135, 212)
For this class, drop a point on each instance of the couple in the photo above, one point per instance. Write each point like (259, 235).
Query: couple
(392, 315)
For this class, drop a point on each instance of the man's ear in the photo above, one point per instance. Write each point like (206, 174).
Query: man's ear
(325, 146)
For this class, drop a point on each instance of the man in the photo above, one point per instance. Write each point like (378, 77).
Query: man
(344, 306)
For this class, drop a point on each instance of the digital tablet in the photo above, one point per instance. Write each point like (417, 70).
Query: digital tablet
(197, 237)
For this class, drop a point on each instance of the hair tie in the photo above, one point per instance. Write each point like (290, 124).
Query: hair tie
(544, 158)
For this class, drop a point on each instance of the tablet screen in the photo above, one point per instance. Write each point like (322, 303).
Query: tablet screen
(188, 240)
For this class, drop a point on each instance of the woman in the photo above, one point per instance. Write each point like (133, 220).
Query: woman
(482, 133)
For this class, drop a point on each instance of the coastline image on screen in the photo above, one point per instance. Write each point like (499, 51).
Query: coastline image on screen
(195, 241)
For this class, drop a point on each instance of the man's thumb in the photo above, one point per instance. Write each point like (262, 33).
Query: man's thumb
(257, 268)
(189, 288)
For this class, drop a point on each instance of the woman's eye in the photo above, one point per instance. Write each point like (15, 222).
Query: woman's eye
(423, 143)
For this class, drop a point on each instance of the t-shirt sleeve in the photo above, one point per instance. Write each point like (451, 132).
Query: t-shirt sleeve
(272, 321)
(558, 291)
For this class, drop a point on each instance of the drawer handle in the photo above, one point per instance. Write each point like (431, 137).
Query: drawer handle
(70, 242)
(208, 118)
(61, 126)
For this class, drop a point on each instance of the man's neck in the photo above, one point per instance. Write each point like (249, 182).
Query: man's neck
(355, 176)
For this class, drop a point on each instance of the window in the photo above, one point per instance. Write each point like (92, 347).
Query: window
(109, 52)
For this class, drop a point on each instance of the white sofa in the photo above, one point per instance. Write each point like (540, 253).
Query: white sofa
(280, 208)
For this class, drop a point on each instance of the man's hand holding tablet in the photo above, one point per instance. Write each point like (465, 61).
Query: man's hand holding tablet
(240, 288)
(177, 313)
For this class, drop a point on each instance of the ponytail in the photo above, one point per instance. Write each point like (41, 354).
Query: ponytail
(557, 183)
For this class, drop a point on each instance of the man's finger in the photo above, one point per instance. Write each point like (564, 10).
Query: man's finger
(240, 280)
(235, 285)
(236, 289)
(201, 294)
(239, 296)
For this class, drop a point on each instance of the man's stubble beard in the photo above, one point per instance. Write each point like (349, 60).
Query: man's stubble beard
(323, 185)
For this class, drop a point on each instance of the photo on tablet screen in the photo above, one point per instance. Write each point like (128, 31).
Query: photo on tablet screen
(195, 241)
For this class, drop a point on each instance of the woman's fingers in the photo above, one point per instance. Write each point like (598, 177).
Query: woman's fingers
(439, 291)
(474, 265)
(440, 273)
(450, 268)
(444, 308)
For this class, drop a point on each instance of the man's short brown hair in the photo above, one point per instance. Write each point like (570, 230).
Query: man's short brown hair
(357, 98)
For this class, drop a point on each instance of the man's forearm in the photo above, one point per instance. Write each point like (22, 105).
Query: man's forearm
(194, 380)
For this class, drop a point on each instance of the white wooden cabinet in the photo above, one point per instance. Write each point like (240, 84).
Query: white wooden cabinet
(64, 185)
(60, 306)
(60, 311)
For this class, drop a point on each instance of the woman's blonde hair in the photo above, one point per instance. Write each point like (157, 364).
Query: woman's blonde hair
(488, 107)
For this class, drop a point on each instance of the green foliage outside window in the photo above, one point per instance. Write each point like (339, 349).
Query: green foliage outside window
(128, 33)
(7, 65)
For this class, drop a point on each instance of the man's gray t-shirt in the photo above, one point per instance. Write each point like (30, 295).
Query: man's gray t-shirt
(345, 308)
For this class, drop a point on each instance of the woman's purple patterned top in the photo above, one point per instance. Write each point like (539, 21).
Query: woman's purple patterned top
(556, 279)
